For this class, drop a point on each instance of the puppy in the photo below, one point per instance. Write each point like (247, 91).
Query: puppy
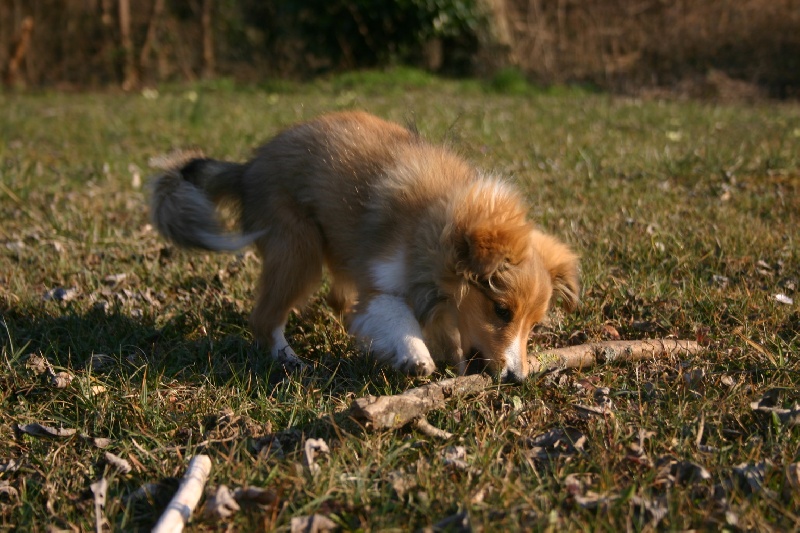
(429, 258)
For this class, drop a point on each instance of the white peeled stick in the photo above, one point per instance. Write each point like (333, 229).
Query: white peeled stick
(186, 498)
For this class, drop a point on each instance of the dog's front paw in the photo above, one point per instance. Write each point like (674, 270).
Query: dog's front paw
(414, 360)
(288, 359)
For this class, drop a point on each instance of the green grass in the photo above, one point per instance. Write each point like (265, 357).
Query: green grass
(685, 214)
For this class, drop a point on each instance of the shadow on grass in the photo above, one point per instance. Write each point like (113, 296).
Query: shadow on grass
(180, 348)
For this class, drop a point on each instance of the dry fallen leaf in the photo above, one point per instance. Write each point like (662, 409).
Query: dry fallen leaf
(60, 294)
(312, 449)
(312, 524)
(60, 380)
(653, 510)
(768, 404)
(576, 484)
(7, 490)
(38, 364)
(694, 377)
(115, 279)
(402, 482)
(672, 472)
(559, 442)
(221, 504)
(121, 465)
(40, 430)
(455, 456)
(610, 332)
(10, 466)
(751, 478)
(97, 442)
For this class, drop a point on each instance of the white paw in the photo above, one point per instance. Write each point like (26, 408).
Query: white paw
(286, 357)
(414, 359)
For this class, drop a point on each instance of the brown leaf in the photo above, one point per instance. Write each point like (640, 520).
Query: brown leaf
(60, 380)
(610, 332)
(38, 364)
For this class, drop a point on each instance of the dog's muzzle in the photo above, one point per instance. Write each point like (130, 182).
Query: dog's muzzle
(477, 363)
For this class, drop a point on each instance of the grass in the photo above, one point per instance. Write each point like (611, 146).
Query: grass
(685, 215)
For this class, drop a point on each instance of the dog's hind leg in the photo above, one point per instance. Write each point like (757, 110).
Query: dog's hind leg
(291, 271)
(387, 327)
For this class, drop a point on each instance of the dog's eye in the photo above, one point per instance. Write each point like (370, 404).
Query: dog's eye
(503, 312)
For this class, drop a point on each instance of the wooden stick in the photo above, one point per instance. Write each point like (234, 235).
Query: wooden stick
(386, 412)
(426, 428)
(595, 353)
(186, 499)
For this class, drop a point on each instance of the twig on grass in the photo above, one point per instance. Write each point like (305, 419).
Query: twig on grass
(387, 412)
(595, 353)
(426, 428)
(185, 500)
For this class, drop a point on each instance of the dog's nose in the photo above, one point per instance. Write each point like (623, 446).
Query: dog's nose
(509, 376)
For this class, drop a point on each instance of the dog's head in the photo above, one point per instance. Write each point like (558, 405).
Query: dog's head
(508, 274)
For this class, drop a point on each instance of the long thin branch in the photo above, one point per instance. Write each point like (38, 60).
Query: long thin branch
(595, 353)
(385, 412)
(186, 499)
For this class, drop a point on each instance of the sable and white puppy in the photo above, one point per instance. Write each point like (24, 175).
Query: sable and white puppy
(429, 258)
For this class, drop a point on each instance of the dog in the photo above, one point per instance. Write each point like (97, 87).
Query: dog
(429, 258)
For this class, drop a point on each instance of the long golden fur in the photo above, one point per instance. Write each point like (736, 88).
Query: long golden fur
(430, 259)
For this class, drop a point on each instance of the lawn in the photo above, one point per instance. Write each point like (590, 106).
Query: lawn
(686, 217)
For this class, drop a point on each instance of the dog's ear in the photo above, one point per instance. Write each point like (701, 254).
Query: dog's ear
(562, 264)
(485, 250)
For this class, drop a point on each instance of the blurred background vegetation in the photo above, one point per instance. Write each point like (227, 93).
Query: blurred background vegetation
(738, 49)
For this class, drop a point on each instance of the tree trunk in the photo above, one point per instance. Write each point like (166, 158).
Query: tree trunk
(151, 39)
(18, 51)
(130, 77)
(209, 66)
